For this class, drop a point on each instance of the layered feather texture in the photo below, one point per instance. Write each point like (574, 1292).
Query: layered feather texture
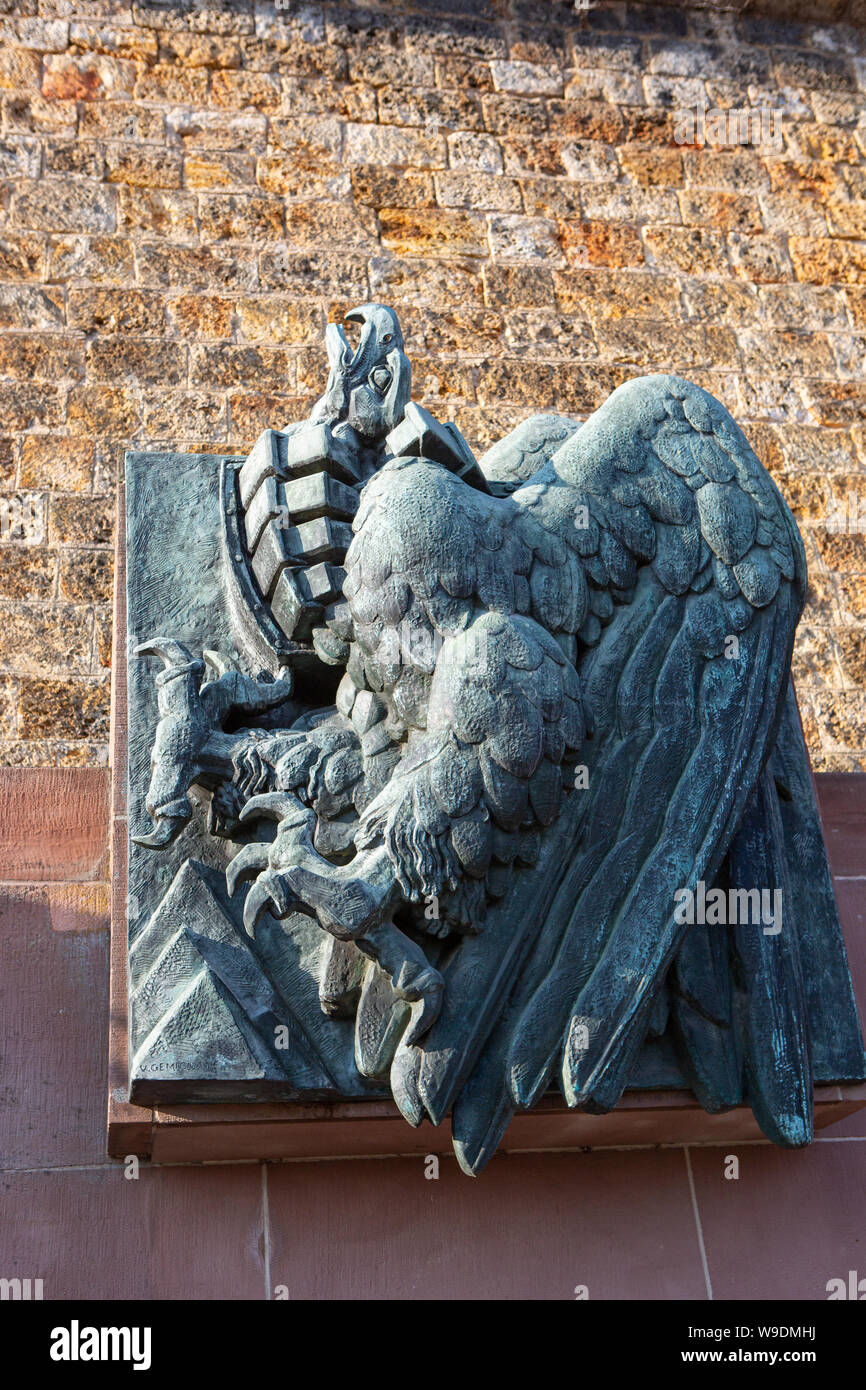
(600, 595)
(473, 792)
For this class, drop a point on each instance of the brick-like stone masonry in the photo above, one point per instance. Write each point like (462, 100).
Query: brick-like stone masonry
(191, 190)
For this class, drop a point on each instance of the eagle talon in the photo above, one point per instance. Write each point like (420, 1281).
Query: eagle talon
(425, 1012)
(268, 894)
(248, 862)
(424, 992)
(283, 807)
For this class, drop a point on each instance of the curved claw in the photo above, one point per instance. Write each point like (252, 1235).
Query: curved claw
(266, 895)
(278, 806)
(425, 1012)
(165, 829)
(248, 862)
(427, 993)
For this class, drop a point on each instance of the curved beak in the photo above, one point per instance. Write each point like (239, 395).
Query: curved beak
(168, 649)
(361, 315)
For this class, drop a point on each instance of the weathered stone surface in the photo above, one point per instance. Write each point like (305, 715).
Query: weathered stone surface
(26, 572)
(115, 311)
(370, 144)
(96, 259)
(51, 708)
(86, 576)
(517, 238)
(231, 365)
(384, 187)
(87, 77)
(522, 285)
(137, 361)
(526, 79)
(23, 257)
(74, 520)
(601, 243)
(54, 461)
(200, 316)
(277, 320)
(193, 416)
(64, 206)
(165, 167)
(416, 232)
(32, 637)
(827, 261)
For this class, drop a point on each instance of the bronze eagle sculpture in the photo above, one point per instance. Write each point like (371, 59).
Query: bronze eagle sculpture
(532, 698)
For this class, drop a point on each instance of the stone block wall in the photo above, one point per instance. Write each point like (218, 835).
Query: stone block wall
(555, 197)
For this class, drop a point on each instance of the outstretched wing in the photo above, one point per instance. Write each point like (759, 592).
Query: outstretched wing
(684, 688)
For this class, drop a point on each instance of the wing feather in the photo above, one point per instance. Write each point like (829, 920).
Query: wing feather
(657, 504)
(589, 1007)
(526, 449)
(639, 946)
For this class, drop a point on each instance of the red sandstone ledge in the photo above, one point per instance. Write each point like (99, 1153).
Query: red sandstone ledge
(376, 1128)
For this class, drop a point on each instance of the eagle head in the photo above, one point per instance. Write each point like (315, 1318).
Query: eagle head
(370, 387)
